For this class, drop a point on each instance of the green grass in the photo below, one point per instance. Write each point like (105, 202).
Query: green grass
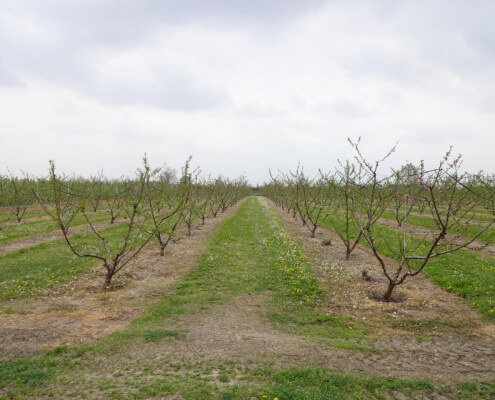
(29, 270)
(322, 384)
(158, 335)
(25, 229)
(28, 378)
(470, 231)
(27, 214)
(477, 214)
(463, 272)
(302, 317)
(28, 372)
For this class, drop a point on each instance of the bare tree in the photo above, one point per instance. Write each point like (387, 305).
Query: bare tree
(165, 203)
(312, 198)
(347, 178)
(116, 197)
(191, 203)
(451, 199)
(406, 196)
(206, 189)
(96, 190)
(5, 211)
(115, 251)
(20, 195)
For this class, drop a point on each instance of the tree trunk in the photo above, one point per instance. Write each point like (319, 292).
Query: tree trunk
(388, 294)
(313, 231)
(162, 249)
(108, 280)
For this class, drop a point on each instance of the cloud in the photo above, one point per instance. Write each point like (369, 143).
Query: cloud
(174, 90)
(259, 111)
(8, 78)
(243, 86)
(346, 108)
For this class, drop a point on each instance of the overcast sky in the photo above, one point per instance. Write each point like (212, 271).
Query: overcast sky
(243, 86)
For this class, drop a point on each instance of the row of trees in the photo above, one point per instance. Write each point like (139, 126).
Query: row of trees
(356, 195)
(16, 195)
(150, 206)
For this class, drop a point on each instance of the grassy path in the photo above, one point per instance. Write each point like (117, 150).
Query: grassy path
(169, 352)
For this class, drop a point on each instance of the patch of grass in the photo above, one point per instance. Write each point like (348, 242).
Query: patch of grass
(470, 231)
(294, 307)
(425, 327)
(292, 274)
(338, 331)
(17, 231)
(158, 335)
(310, 383)
(325, 384)
(6, 309)
(27, 271)
(28, 214)
(470, 390)
(28, 372)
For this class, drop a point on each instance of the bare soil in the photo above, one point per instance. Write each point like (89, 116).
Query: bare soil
(80, 312)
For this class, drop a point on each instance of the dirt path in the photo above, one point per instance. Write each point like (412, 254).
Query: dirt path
(79, 312)
(476, 246)
(238, 331)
